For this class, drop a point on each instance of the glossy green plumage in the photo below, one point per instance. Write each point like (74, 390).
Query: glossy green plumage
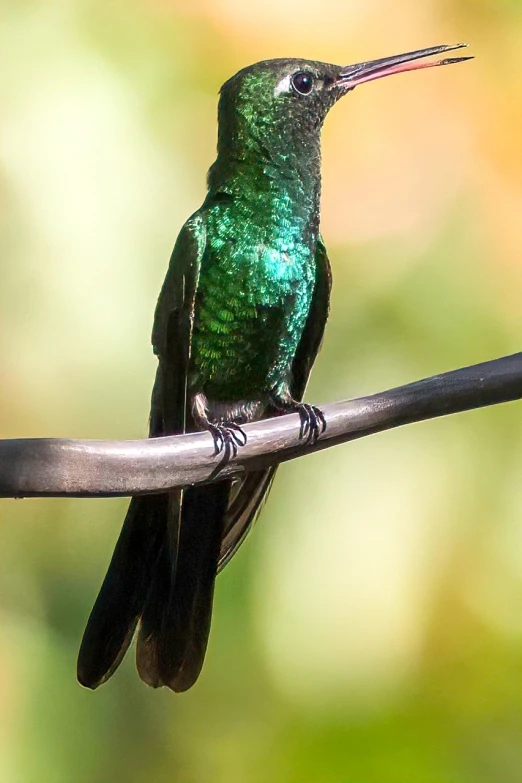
(255, 289)
(261, 226)
(237, 327)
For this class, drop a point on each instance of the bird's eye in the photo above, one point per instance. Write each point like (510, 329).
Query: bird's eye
(303, 82)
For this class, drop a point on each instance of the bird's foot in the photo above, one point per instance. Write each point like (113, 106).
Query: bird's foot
(313, 422)
(228, 436)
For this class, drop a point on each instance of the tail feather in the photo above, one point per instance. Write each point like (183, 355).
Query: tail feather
(162, 576)
(120, 601)
(151, 621)
(158, 596)
(176, 619)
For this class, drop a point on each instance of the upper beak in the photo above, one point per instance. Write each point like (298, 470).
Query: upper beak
(352, 75)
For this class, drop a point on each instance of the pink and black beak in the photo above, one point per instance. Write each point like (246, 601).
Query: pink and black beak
(352, 75)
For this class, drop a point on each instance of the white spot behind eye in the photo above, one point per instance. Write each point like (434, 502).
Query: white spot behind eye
(282, 86)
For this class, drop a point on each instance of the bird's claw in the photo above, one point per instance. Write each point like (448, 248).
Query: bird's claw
(237, 432)
(227, 437)
(313, 422)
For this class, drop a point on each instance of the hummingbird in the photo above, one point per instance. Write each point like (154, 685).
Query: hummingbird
(237, 327)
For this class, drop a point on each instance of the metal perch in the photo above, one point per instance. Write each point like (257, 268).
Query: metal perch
(55, 467)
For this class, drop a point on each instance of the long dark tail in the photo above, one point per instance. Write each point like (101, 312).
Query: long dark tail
(175, 624)
(120, 601)
(162, 572)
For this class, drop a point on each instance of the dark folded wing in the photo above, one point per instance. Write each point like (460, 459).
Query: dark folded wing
(313, 332)
(150, 520)
(171, 340)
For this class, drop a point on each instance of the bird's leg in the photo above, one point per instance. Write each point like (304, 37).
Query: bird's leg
(227, 433)
(313, 422)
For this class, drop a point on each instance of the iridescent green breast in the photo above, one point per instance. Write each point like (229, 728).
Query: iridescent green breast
(256, 285)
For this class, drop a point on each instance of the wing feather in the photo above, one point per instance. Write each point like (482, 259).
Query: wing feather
(171, 340)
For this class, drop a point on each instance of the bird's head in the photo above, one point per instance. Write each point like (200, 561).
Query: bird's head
(282, 103)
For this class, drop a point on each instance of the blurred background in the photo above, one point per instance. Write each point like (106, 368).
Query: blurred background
(370, 629)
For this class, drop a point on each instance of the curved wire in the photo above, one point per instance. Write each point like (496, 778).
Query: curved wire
(52, 467)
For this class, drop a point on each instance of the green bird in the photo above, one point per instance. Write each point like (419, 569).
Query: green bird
(237, 328)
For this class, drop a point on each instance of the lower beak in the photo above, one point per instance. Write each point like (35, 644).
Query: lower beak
(352, 75)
